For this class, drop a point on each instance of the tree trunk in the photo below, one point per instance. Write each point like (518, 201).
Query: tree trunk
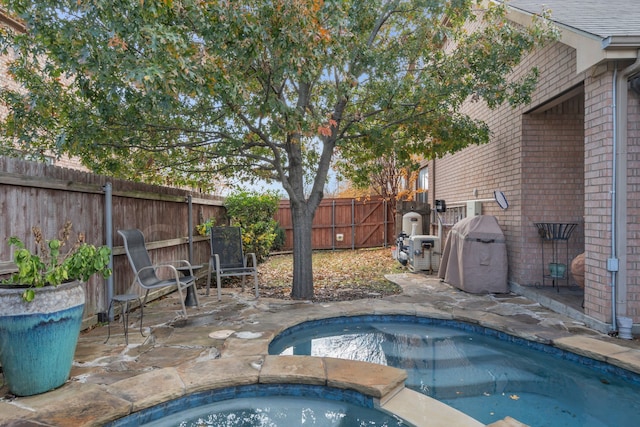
(302, 219)
(303, 208)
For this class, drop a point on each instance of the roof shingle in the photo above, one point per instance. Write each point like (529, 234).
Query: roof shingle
(602, 18)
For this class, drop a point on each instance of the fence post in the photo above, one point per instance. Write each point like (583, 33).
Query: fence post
(108, 218)
(333, 225)
(386, 222)
(190, 225)
(353, 224)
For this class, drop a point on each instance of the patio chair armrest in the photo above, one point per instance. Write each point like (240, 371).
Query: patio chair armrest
(149, 267)
(254, 262)
(214, 261)
(154, 267)
(171, 266)
(182, 263)
(178, 262)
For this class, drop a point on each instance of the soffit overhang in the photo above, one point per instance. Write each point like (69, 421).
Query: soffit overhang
(591, 50)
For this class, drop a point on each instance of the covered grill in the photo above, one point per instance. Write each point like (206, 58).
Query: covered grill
(474, 258)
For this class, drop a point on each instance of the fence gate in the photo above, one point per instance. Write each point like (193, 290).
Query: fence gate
(344, 224)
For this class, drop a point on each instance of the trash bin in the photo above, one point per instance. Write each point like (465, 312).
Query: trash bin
(474, 258)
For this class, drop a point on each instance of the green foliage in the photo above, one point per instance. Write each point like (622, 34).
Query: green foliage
(204, 229)
(173, 92)
(178, 92)
(280, 239)
(254, 213)
(48, 266)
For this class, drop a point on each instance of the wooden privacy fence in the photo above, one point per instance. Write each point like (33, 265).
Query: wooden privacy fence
(344, 224)
(35, 194)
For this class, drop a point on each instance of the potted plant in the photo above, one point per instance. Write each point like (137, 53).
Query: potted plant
(41, 307)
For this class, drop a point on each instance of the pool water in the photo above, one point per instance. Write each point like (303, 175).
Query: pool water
(280, 411)
(265, 405)
(485, 374)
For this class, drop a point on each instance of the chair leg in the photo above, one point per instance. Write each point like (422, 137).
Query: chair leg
(141, 316)
(255, 279)
(108, 322)
(125, 318)
(209, 277)
(125, 321)
(124, 314)
(184, 307)
(146, 294)
(243, 280)
(219, 285)
(125, 308)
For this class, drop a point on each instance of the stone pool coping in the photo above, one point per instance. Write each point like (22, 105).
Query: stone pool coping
(242, 336)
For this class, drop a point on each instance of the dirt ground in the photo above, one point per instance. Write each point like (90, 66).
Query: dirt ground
(339, 275)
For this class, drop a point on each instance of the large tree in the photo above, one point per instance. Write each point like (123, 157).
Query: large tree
(392, 175)
(178, 91)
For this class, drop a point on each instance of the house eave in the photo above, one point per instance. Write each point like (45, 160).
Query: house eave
(591, 49)
(11, 22)
(621, 42)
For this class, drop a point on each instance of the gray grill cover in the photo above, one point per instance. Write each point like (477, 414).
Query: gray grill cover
(474, 258)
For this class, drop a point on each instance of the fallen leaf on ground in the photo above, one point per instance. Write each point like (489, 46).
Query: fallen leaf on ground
(339, 275)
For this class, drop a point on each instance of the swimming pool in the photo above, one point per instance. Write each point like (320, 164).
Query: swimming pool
(482, 372)
(266, 405)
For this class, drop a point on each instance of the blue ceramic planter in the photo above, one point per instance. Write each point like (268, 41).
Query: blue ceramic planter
(38, 338)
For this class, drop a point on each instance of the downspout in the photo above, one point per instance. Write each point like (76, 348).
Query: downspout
(612, 262)
(620, 100)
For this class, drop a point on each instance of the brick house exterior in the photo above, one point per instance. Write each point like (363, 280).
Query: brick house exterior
(554, 158)
(7, 82)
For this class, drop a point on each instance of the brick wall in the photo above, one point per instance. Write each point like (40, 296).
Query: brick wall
(553, 160)
(633, 209)
(599, 125)
(552, 186)
(628, 209)
(6, 82)
(598, 157)
(538, 165)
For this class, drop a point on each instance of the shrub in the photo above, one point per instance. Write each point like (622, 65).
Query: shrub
(279, 241)
(253, 213)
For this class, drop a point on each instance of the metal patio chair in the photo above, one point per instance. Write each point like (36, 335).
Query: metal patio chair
(228, 259)
(146, 272)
